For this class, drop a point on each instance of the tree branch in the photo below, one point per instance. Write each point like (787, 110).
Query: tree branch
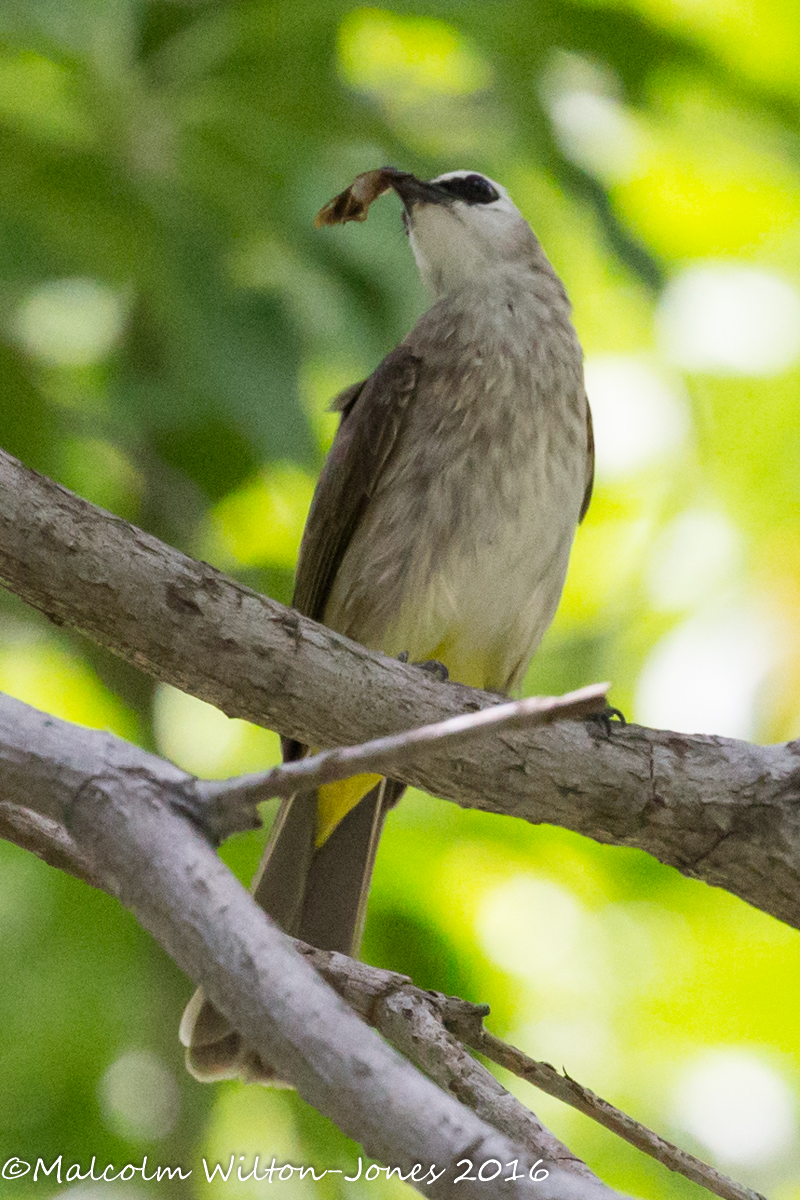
(468, 1027)
(226, 806)
(719, 810)
(58, 763)
(48, 840)
(123, 808)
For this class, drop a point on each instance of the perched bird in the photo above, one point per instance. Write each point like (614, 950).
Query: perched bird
(440, 528)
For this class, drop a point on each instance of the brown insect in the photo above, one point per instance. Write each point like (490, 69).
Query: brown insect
(353, 203)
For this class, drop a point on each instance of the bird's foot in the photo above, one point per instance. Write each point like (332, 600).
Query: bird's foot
(605, 720)
(432, 665)
(435, 668)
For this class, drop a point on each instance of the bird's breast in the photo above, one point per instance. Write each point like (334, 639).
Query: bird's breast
(463, 550)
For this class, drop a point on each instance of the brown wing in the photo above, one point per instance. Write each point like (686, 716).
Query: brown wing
(587, 495)
(372, 414)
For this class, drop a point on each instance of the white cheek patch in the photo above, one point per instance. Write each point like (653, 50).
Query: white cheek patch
(445, 246)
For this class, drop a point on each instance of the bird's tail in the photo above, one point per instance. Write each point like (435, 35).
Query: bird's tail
(315, 893)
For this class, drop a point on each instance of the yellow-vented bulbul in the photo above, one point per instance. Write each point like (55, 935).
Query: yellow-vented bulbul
(441, 528)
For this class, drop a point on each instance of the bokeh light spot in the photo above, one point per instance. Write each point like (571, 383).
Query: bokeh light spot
(41, 672)
(531, 927)
(139, 1096)
(261, 523)
(699, 552)
(71, 322)
(730, 319)
(407, 56)
(737, 1106)
(704, 676)
(637, 416)
(597, 133)
(199, 738)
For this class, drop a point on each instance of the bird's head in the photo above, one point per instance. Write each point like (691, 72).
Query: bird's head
(462, 227)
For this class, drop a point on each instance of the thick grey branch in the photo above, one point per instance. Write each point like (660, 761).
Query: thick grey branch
(718, 810)
(47, 761)
(46, 839)
(118, 805)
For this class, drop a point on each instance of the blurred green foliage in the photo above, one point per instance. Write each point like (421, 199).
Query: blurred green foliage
(172, 329)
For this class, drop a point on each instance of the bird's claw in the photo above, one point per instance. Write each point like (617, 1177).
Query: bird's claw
(604, 719)
(435, 668)
(432, 665)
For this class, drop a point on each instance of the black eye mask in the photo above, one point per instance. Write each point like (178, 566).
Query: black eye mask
(472, 189)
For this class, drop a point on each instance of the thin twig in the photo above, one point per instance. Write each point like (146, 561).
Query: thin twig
(466, 1022)
(227, 806)
(379, 994)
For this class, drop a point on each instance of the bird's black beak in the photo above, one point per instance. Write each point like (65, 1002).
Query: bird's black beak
(415, 191)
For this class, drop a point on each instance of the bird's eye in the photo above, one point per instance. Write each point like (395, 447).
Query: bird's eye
(472, 189)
